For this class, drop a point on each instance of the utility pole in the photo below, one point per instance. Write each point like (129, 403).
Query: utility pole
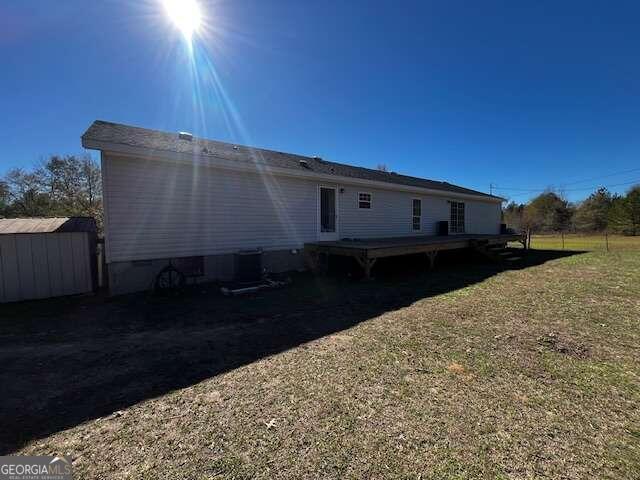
(491, 189)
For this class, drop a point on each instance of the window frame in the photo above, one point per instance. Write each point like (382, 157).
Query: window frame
(370, 201)
(414, 216)
(455, 228)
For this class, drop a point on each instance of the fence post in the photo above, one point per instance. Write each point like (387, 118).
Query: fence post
(606, 240)
(562, 235)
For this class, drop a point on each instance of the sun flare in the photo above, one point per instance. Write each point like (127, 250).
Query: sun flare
(185, 14)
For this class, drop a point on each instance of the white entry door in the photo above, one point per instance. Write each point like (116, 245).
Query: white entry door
(327, 213)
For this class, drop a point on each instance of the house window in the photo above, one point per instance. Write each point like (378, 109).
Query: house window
(456, 221)
(364, 200)
(417, 214)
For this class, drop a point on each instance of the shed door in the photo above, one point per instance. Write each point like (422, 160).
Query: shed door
(328, 214)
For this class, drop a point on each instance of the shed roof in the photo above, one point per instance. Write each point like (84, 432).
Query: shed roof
(101, 133)
(47, 225)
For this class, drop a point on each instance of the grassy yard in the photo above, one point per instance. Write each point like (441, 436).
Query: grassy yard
(469, 371)
(597, 242)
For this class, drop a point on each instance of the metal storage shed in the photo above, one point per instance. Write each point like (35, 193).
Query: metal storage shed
(47, 257)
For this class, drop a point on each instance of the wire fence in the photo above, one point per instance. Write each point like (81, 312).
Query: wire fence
(600, 241)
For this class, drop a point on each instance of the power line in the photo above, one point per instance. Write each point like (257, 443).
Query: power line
(529, 190)
(604, 176)
(576, 189)
(570, 183)
(520, 189)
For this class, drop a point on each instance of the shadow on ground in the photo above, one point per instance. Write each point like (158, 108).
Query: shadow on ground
(67, 361)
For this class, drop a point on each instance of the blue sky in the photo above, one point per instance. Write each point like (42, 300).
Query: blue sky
(523, 95)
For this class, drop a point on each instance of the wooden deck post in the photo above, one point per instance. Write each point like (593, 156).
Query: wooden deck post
(366, 264)
(316, 261)
(311, 259)
(432, 258)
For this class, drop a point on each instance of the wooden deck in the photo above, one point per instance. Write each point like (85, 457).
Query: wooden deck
(367, 251)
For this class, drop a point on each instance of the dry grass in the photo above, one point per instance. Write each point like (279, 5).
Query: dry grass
(530, 373)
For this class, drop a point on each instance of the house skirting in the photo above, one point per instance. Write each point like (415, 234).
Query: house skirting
(137, 276)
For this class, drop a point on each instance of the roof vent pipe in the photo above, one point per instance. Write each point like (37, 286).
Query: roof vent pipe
(185, 136)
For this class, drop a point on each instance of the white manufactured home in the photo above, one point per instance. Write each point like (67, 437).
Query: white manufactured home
(171, 196)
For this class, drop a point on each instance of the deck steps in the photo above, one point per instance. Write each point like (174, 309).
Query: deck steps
(513, 259)
(497, 252)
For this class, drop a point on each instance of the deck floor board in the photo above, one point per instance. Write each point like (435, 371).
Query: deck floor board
(412, 241)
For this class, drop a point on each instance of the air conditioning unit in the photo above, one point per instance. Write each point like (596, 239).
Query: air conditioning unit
(248, 266)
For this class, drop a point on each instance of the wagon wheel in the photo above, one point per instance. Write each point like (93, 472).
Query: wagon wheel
(169, 278)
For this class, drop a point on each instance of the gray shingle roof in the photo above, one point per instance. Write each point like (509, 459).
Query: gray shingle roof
(154, 140)
(47, 225)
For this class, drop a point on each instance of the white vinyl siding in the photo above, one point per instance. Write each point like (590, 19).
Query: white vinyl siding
(482, 217)
(158, 209)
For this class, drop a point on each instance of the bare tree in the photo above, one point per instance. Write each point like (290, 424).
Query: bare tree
(25, 194)
(73, 182)
(60, 186)
(4, 198)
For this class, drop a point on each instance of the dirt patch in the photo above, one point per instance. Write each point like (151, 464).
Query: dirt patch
(558, 343)
(457, 369)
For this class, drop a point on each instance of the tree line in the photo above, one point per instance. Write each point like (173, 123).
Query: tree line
(61, 186)
(599, 212)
